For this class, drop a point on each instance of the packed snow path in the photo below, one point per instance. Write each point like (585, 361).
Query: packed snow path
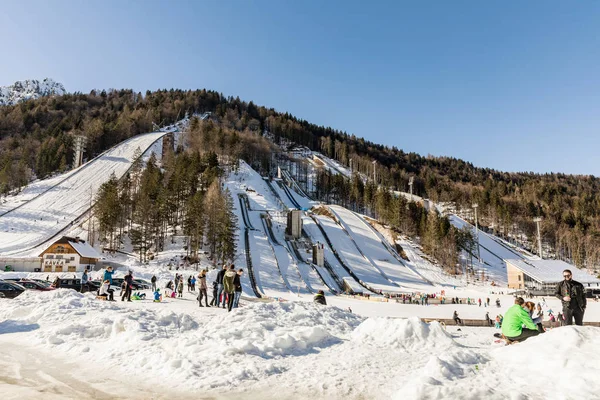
(373, 248)
(48, 214)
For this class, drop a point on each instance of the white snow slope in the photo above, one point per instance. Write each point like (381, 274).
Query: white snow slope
(282, 351)
(372, 247)
(492, 251)
(360, 266)
(316, 236)
(24, 229)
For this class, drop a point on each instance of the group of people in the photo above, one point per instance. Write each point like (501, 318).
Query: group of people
(227, 288)
(524, 320)
(126, 287)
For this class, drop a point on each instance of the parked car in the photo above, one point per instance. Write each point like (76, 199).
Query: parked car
(74, 283)
(97, 284)
(33, 285)
(10, 290)
(142, 284)
(136, 285)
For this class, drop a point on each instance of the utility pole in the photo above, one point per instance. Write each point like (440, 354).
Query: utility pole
(537, 221)
(90, 221)
(411, 181)
(475, 205)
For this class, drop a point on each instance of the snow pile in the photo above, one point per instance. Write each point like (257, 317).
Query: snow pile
(559, 364)
(29, 89)
(199, 351)
(399, 333)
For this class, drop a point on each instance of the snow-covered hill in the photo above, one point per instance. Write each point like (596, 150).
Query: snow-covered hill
(29, 89)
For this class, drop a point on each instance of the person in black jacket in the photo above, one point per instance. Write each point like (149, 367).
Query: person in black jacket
(572, 295)
(153, 280)
(220, 286)
(128, 282)
(238, 288)
(320, 298)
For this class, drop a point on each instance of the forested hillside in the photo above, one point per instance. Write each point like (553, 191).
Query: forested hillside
(36, 137)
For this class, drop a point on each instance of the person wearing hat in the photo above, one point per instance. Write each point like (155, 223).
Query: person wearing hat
(128, 282)
(157, 296)
(320, 298)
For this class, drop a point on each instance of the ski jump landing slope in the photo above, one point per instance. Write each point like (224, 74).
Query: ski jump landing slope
(374, 250)
(352, 257)
(337, 273)
(37, 221)
(493, 251)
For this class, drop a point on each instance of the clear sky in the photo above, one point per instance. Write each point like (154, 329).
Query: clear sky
(511, 85)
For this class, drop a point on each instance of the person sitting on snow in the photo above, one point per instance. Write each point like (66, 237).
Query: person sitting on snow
(320, 298)
(106, 291)
(157, 296)
(514, 319)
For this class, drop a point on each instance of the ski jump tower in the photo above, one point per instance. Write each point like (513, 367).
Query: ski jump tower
(79, 147)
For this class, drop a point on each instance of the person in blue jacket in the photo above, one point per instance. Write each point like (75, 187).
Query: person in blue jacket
(108, 274)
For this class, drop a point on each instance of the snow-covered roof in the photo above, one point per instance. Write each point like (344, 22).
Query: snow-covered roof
(84, 249)
(551, 270)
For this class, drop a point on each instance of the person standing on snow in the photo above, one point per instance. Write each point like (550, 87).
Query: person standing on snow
(108, 274)
(213, 302)
(513, 321)
(220, 276)
(128, 282)
(153, 280)
(202, 289)
(229, 286)
(320, 298)
(180, 286)
(572, 295)
(84, 281)
(238, 288)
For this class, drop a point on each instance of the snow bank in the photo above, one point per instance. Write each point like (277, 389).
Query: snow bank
(559, 364)
(408, 334)
(199, 351)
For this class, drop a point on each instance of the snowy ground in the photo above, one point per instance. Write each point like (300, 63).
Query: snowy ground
(289, 350)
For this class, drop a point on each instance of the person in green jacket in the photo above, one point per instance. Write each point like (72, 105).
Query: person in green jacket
(514, 319)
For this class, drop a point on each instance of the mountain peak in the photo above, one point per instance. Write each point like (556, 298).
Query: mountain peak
(29, 89)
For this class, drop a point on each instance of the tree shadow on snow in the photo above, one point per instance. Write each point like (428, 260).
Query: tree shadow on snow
(11, 326)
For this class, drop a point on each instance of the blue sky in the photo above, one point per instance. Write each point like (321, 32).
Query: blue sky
(509, 85)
